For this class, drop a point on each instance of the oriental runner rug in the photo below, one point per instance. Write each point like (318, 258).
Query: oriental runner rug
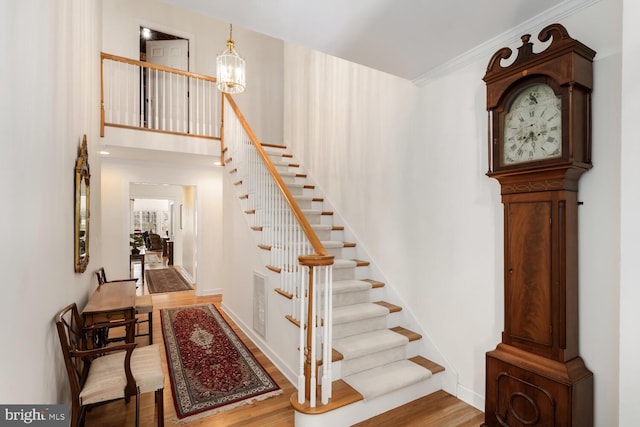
(211, 369)
(165, 280)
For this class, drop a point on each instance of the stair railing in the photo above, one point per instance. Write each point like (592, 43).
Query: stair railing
(142, 95)
(296, 253)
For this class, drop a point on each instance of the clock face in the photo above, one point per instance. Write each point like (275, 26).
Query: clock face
(533, 126)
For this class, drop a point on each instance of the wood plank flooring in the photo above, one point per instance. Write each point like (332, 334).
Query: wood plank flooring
(440, 409)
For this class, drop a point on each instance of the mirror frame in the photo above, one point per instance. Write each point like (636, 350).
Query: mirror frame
(82, 212)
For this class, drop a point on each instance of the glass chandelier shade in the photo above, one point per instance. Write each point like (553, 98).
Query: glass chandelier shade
(230, 69)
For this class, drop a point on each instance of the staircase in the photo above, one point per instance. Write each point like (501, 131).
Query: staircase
(376, 361)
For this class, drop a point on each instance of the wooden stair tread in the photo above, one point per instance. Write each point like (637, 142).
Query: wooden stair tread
(256, 228)
(274, 269)
(266, 144)
(337, 228)
(412, 336)
(426, 363)
(348, 244)
(284, 294)
(391, 307)
(360, 263)
(374, 283)
(336, 356)
(342, 395)
(292, 320)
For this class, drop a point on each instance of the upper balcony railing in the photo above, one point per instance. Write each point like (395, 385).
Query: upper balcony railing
(142, 95)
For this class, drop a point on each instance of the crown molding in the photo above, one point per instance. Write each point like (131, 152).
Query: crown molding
(486, 49)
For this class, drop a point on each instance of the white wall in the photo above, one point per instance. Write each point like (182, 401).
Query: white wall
(117, 175)
(406, 166)
(45, 108)
(629, 368)
(261, 103)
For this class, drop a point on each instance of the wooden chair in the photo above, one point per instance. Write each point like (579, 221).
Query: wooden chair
(107, 374)
(144, 305)
(155, 242)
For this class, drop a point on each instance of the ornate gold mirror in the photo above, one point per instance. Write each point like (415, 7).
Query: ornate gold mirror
(81, 236)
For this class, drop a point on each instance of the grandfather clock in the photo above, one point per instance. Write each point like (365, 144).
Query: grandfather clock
(539, 145)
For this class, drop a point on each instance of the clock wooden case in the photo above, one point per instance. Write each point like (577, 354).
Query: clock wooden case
(539, 145)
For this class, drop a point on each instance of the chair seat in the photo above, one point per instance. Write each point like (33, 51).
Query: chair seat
(146, 367)
(144, 304)
(107, 379)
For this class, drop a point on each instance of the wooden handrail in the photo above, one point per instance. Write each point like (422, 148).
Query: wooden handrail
(300, 217)
(156, 67)
(149, 115)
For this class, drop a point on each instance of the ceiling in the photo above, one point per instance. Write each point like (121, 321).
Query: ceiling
(406, 38)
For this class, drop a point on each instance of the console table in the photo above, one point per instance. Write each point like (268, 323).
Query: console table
(111, 302)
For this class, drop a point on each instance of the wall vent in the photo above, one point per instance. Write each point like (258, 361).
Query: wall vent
(259, 304)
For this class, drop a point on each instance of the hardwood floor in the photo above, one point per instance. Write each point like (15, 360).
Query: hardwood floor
(440, 409)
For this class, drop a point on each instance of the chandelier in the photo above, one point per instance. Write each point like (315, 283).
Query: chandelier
(230, 69)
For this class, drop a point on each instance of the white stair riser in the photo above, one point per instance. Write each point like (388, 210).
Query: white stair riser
(305, 203)
(373, 360)
(359, 327)
(336, 252)
(324, 234)
(314, 218)
(296, 190)
(344, 273)
(350, 298)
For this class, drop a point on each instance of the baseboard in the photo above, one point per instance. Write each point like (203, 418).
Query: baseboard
(470, 397)
(208, 292)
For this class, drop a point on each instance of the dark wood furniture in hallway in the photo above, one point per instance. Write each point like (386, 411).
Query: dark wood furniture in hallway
(112, 303)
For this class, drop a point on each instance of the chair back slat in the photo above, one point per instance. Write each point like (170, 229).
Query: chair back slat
(69, 325)
(102, 276)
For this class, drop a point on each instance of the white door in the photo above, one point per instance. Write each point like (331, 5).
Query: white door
(167, 94)
(170, 53)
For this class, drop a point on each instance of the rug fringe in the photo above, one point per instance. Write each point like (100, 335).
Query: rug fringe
(225, 408)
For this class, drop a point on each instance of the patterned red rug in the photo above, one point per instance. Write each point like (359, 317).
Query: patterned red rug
(165, 280)
(211, 369)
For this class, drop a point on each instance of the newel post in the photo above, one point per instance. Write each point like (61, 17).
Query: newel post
(310, 366)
